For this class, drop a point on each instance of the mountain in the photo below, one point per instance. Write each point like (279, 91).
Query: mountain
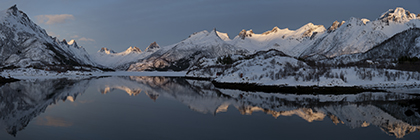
(153, 47)
(406, 43)
(360, 35)
(398, 15)
(106, 51)
(122, 60)
(25, 44)
(292, 42)
(182, 55)
(310, 42)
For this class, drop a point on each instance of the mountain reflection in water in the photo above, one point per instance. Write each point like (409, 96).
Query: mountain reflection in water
(395, 114)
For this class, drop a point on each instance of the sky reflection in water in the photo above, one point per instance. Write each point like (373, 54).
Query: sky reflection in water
(176, 108)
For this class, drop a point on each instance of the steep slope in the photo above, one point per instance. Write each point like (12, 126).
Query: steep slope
(25, 44)
(360, 35)
(122, 60)
(183, 54)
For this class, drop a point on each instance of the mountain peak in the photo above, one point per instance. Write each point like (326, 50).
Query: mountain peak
(214, 32)
(310, 29)
(72, 42)
(64, 41)
(106, 50)
(244, 33)
(14, 11)
(133, 49)
(13, 8)
(152, 47)
(335, 25)
(397, 15)
(274, 30)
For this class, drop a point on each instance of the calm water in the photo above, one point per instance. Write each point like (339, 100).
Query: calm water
(176, 108)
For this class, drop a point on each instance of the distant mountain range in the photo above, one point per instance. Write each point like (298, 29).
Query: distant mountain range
(25, 44)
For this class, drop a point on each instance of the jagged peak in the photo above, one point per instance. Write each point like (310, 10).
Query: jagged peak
(203, 35)
(153, 46)
(133, 49)
(106, 50)
(365, 21)
(244, 33)
(64, 41)
(198, 33)
(214, 32)
(398, 14)
(335, 25)
(309, 26)
(14, 11)
(72, 42)
(274, 30)
(310, 29)
(13, 8)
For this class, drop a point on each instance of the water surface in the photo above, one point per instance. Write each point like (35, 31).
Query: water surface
(177, 108)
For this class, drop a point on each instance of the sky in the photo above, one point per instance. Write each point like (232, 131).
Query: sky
(119, 24)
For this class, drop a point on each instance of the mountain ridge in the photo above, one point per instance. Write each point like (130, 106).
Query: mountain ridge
(309, 42)
(25, 44)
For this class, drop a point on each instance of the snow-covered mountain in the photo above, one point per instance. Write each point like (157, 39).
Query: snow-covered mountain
(360, 35)
(106, 50)
(315, 42)
(182, 55)
(152, 47)
(311, 42)
(406, 43)
(122, 60)
(25, 44)
(292, 42)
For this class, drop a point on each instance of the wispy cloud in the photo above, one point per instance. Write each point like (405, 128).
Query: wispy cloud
(82, 39)
(52, 121)
(54, 19)
(86, 39)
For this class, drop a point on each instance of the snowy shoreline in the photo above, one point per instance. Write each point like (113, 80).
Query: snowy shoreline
(30, 73)
(288, 85)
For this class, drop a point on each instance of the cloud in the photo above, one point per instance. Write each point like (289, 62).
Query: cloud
(53, 34)
(52, 121)
(54, 19)
(86, 39)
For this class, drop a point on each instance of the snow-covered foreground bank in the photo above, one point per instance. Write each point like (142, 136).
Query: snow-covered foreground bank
(340, 77)
(30, 73)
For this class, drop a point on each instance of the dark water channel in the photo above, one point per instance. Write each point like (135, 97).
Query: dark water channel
(177, 108)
